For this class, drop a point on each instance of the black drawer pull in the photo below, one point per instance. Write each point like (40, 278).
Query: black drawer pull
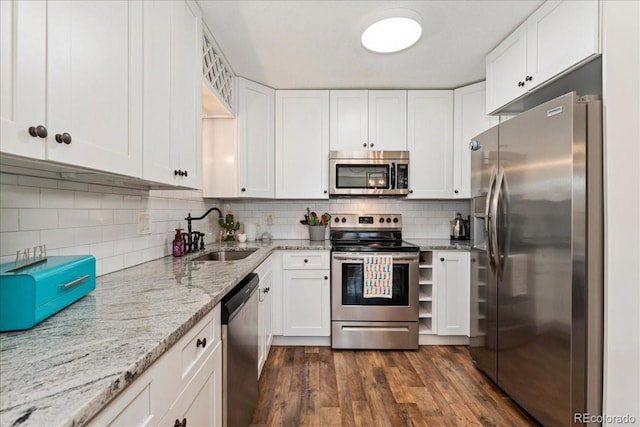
(201, 342)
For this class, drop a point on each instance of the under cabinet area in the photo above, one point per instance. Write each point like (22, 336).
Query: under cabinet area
(238, 153)
(368, 120)
(184, 383)
(555, 38)
(72, 89)
(306, 294)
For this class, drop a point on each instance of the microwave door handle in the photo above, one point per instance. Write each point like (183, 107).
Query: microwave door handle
(393, 176)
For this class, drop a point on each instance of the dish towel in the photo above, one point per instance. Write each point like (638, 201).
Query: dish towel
(378, 276)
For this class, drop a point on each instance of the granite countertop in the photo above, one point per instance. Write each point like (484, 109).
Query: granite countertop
(441, 244)
(66, 369)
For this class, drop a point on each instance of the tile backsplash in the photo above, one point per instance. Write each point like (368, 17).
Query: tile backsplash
(79, 218)
(74, 218)
(424, 219)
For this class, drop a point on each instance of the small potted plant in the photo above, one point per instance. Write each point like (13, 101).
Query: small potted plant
(230, 226)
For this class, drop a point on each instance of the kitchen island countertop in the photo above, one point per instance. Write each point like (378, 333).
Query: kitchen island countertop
(66, 369)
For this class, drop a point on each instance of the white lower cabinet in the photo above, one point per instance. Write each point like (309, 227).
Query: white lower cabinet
(452, 278)
(306, 291)
(184, 383)
(265, 330)
(200, 403)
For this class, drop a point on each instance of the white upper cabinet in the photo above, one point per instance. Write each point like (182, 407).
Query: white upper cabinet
(555, 38)
(368, 120)
(430, 142)
(302, 144)
(469, 120)
(172, 94)
(23, 60)
(79, 64)
(239, 154)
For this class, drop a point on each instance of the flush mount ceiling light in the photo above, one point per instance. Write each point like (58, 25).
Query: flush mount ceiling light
(392, 34)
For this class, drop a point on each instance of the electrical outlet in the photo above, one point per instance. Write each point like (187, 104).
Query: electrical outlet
(267, 218)
(144, 223)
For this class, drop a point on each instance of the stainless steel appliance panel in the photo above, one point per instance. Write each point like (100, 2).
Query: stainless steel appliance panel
(381, 309)
(240, 354)
(378, 335)
(368, 173)
(543, 237)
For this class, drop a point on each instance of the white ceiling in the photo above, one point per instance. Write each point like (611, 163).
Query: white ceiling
(316, 44)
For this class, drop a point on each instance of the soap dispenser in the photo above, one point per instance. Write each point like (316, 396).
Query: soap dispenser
(177, 243)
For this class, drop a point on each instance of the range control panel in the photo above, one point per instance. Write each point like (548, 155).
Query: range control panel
(364, 221)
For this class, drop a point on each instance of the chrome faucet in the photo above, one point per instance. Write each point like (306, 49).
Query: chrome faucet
(192, 237)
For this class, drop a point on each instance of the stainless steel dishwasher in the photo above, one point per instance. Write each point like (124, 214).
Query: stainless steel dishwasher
(240, 352)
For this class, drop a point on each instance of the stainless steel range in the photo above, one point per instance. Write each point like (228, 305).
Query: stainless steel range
(374, 283)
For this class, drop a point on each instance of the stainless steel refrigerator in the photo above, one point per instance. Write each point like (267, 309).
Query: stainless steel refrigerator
(537, 258)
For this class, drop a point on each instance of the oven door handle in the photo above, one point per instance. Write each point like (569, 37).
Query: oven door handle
(353, 257)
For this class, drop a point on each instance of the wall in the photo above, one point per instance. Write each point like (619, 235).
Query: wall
(422, 219)
(78, 218)
(621, 96)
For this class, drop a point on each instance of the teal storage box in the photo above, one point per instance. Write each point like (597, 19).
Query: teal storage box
(31, 294)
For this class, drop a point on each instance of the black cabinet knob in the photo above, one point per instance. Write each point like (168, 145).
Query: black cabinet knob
(201, 342)
(520, 84)
(325, 191)
(441, 259)
(243, 189)
(410, 191)
(64, 137)
(38, 131)
(364, 145)
(371, 145)
(176, 172)
(306, 261)
(186, 173)
(455, 191)
(326, 277)
(529, 78)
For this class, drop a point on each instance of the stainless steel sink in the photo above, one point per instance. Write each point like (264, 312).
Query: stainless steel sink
(225, 255)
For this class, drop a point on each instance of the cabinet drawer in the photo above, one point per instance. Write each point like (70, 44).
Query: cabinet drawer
(312, 260)
(198, 343)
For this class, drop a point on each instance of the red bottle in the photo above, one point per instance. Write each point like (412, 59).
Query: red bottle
(177, 243)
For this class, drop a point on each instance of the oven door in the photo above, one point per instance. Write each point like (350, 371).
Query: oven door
(348, 302)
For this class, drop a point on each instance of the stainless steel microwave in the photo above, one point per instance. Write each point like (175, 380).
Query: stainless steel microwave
(368, 173)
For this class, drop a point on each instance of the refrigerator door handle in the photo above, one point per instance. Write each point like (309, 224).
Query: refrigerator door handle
(488, 232)
(494, 223)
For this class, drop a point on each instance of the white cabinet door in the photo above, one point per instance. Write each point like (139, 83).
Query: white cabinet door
(302, 144)
(560, 34)
(388, 119)
(94, 84)
(368, 120)
(506, 69)
(200, 403)
(256, 139)
(452, 270)
(172, 95)
(430, 143)
(469, 120)
(23, 59)
(265, 335)
(305, 298)
(349, 119)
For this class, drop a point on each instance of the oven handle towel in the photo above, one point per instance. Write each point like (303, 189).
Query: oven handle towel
(378, 276)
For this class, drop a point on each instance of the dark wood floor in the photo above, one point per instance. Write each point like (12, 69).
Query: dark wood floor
(434, 386)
